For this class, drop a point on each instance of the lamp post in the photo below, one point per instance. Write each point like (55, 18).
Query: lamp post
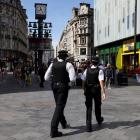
(38, 34)
(135, 34)
(41, 31)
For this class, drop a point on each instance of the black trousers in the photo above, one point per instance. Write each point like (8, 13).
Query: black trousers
(90, 94)
(60, 95)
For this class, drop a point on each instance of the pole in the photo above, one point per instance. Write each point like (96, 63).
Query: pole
(35, 62)
(135, 34)
(40, 36)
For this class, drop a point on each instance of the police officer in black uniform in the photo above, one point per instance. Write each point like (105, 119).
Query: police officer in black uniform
(93, 84)
(62, 74)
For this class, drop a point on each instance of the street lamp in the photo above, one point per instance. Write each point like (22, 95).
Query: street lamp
(135, 35)
(38, 37)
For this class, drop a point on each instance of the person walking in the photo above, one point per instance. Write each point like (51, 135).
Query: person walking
(93, 85)
(41, 73)
(108, 76)
(62, 73)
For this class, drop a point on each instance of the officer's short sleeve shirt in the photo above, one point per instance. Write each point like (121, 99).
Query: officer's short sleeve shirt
(100, 76)
(69, 68)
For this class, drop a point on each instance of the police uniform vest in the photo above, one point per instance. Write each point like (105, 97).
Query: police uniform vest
(92, 77)
(59, 73)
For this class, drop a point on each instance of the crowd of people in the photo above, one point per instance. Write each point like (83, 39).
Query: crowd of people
(22, 74)
(110, 73)
(89, 75)
(3, 73)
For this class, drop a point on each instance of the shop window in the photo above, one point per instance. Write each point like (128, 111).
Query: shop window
(82, 51)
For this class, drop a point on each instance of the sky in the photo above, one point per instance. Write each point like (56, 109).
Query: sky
(58, 13)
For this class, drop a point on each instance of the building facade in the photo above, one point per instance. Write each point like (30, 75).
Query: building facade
(13, 32)
(114, 22)
(77, 37)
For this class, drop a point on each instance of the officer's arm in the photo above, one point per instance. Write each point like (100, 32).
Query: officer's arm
(84, 80)
(48, 72)
(71, 72)
(101, 81)
(102, 86)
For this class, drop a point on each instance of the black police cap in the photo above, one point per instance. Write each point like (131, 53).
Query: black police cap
(63, 53)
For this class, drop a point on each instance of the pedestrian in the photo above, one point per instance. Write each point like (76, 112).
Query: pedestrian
(108, 76)
(62, 73)
(41, 73)
(93, 84)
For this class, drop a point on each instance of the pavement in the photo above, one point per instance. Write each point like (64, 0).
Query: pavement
(26, 112)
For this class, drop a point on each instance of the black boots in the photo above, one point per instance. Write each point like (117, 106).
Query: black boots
(56, 134)
(89, 128)
(100, 121)
(66, 126)
(89, 125)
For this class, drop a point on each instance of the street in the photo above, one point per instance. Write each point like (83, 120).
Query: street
(25, 113)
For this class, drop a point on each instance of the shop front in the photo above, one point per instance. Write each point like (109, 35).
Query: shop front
(108, 55)
(128, 54)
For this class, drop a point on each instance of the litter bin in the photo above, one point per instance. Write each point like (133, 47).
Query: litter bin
(122, 78)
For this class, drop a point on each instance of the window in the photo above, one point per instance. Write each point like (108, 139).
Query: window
(82, 51)
(115, 2)
(133, 19)
(84, 30)
(105, 7)
(75, 25)
(123, 15)
(108, 29)
(128, 22)
(83, 21)
(119, 26)
(105, 31)
(83, 40)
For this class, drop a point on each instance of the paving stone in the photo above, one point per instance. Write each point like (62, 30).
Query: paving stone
(26, 114)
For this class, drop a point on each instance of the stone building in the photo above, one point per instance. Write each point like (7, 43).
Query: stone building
(77, 37)
(13, 32)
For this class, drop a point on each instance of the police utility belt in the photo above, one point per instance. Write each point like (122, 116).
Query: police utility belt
(59, 84)
(93, 85)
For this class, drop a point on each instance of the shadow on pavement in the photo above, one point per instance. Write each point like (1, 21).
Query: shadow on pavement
(109, 125)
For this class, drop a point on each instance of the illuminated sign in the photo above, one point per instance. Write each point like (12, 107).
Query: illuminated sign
(128, 46)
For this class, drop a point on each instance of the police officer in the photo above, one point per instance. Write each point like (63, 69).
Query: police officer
(93, 84)
(62, 74)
